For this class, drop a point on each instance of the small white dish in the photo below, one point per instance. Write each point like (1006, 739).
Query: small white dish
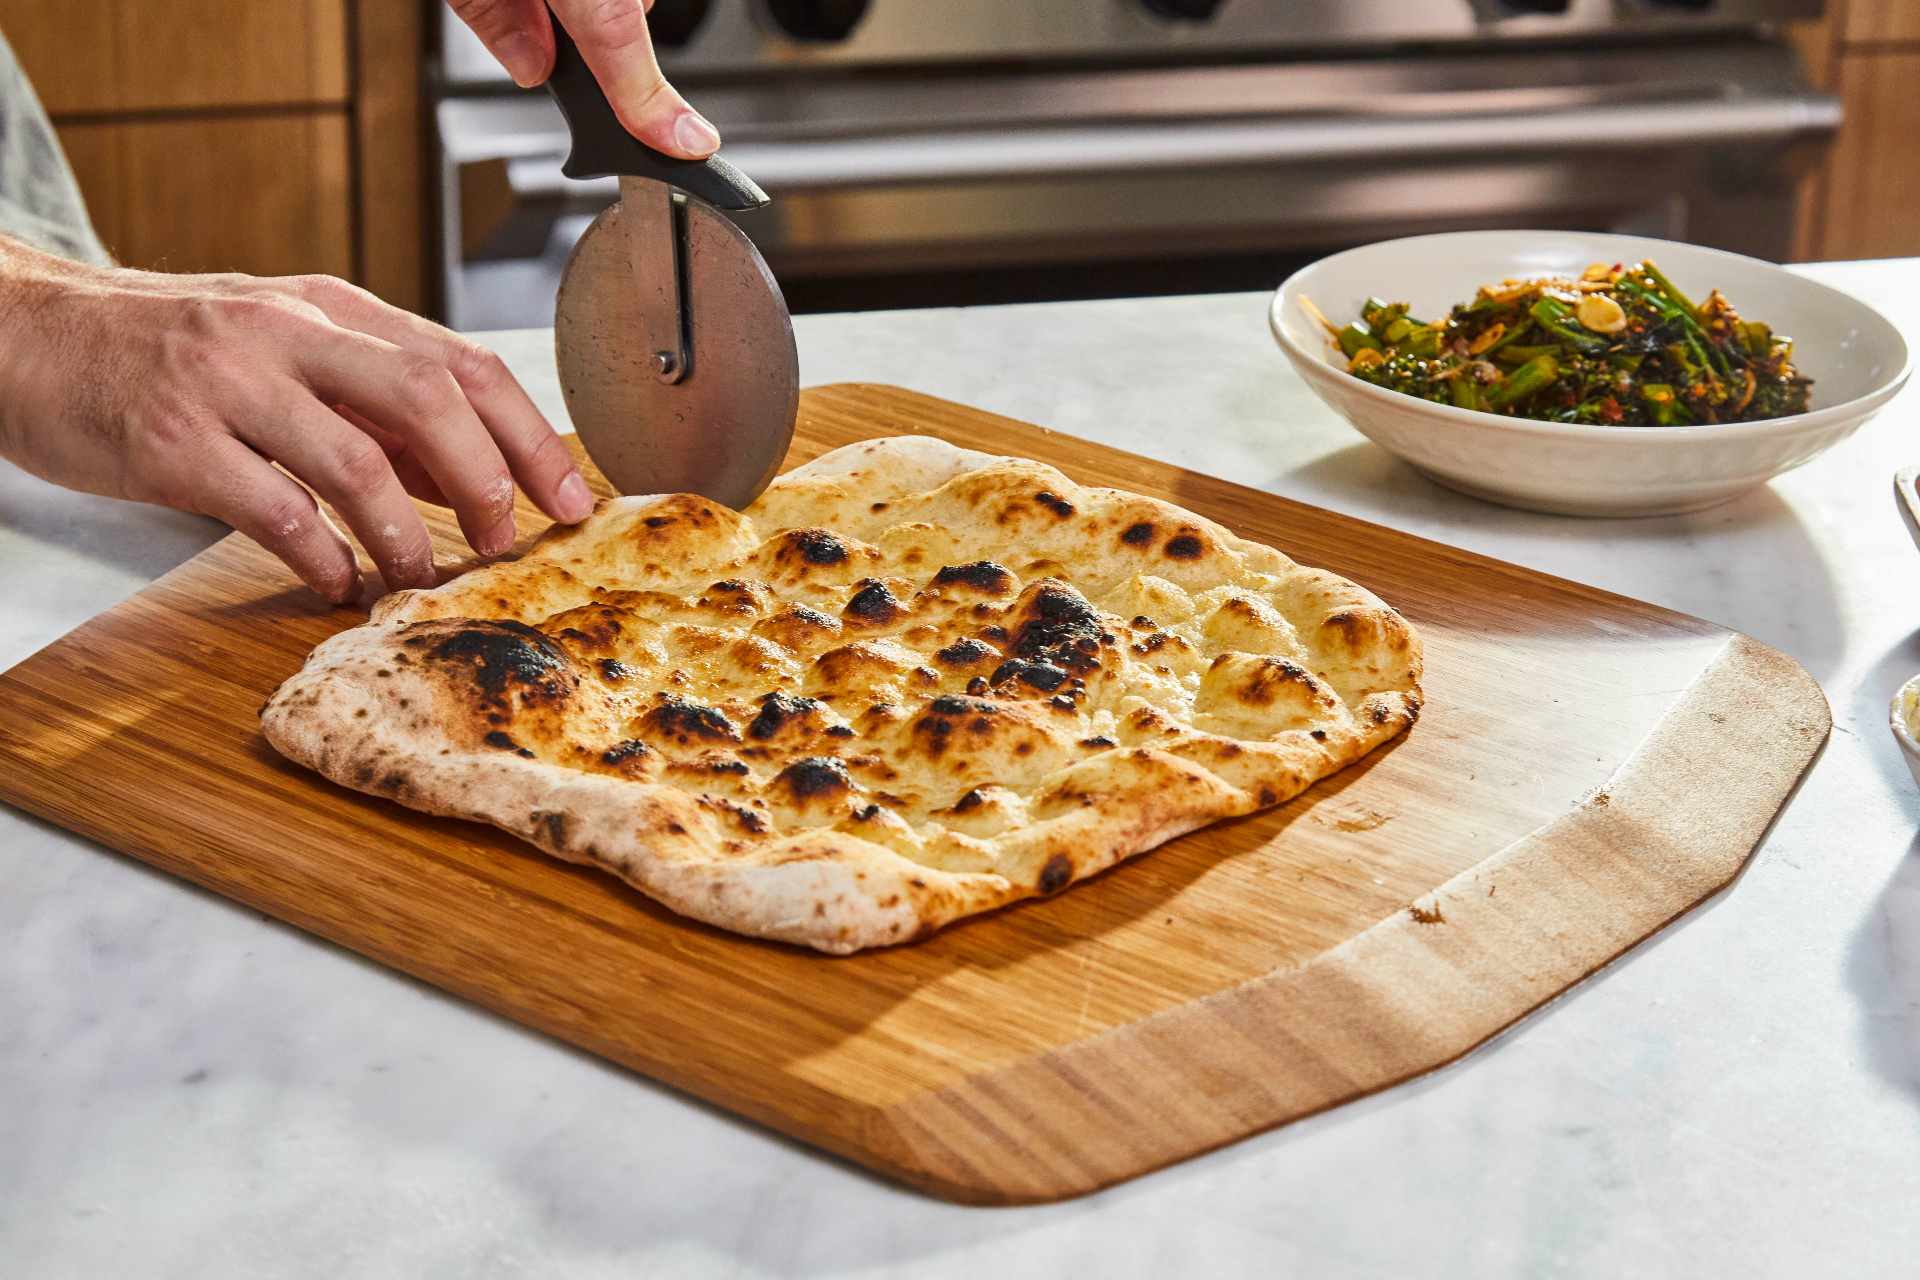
(1906, 496)
(1904, 717)
(1857, 359)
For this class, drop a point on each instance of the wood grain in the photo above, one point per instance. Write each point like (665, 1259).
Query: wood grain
(1872, 207)
(1881, 21)
(118, 56)
(390, 141)
(267, 195)
(1588, 768)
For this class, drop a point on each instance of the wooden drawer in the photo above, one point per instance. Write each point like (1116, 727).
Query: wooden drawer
(114, 56)
(266, 194)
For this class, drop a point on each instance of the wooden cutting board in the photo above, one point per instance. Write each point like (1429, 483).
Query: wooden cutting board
(1588, 768)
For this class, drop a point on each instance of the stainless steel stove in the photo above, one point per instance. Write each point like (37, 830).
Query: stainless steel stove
(984, 150)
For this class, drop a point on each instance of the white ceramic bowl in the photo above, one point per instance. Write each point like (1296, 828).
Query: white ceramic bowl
(1857, 359)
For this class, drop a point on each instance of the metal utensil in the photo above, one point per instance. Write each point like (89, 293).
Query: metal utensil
(674, 344)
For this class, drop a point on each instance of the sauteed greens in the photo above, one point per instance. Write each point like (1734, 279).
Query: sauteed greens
(1620, 346)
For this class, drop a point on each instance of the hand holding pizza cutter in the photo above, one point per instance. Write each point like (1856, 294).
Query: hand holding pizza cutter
(674, 344)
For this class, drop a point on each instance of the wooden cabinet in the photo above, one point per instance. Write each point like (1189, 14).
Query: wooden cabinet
(1863, 201)
(272, 137)
(1872, 183)
(1875, 21)
(267, 195)
(101, 56)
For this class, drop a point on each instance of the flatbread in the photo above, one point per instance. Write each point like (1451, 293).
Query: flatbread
(908, 684)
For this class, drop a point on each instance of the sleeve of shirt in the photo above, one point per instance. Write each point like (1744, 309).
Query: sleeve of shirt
(39, 201)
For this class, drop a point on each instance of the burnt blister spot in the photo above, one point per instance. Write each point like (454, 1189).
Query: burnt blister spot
(953, 705)
(1318, 735)
(1138, 534)
(738, 768)
(970, 801)
(874, 603)
(977, 685)
(1056, 873)
(556, 825)
(1098, 741)
(1184, 547)
(507, 654)
(1151, 644)
(1043, 676)
(866, 813)
(682, 719)
(1062, 702)
(1054, 503)
(814, 776)
(1062, 630)
(615, 670)
(817, 546)
(502, 741)
(966, 652)
(983, 575)
(631, 749)
(776, 710)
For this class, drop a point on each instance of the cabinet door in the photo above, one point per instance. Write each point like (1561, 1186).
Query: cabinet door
(267, 195)
(1873, 186)
(102, 57)
(1869, 21)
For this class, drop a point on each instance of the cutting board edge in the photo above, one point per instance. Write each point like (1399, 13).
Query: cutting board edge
(912, 1140)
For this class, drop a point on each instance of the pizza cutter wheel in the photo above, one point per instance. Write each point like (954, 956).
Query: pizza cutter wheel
(674, 344)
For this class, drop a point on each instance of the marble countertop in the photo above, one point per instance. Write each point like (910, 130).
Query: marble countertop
(190, 1089)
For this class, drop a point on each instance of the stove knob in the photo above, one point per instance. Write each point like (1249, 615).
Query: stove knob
(1184, 10)
(1538, 6)
(672, 23)
(817, 19)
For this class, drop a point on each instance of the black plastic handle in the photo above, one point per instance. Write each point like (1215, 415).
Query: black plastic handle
(602, 147)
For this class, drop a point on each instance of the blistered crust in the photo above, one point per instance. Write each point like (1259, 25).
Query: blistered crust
(909, 684)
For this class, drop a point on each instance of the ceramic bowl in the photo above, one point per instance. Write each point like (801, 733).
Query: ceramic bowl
(1857, 359)
(1904, 718)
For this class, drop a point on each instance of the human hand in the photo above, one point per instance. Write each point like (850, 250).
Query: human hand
(186, 390)
(612, 35)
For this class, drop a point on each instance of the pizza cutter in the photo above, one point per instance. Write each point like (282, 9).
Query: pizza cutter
(674, 344)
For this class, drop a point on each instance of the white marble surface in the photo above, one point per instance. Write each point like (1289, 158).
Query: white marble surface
(188, 1089)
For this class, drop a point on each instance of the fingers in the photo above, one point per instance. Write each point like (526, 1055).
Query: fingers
(347, 468)
(612, 35)
(416, 399)
(516, 32)
(533, 450)
(413, 476)
(240, 487)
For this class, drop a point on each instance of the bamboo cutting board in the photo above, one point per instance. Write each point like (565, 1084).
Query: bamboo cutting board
(1587, 768)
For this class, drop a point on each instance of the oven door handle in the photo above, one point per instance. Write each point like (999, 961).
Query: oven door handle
(1053, 151)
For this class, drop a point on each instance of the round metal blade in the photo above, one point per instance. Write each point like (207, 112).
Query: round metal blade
(724, 428)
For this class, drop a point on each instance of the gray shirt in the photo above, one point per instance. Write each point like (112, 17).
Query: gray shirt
(39, 201)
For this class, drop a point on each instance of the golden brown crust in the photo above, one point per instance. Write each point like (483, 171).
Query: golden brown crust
(910, 683)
